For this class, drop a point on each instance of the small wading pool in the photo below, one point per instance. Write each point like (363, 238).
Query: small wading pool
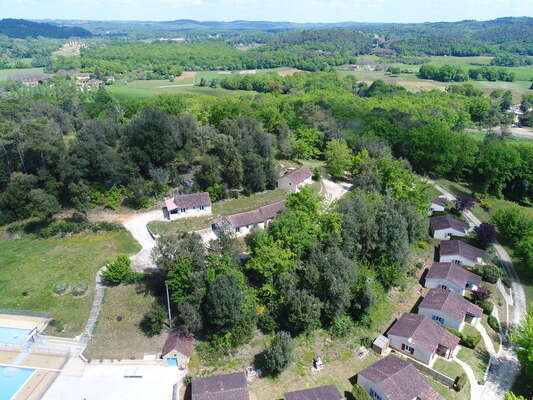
(11, 380)
(13, 335)
(172, 362)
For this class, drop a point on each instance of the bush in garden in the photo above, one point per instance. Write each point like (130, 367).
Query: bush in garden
(61, 287)
(480, 295)
(359, 393)
(118, 271)
(277, 357)
(153, 321)
(489, 273)
(507, 282)
(493, 323)
(58, 325)
(80, 288)
(487, 306)
(460, 382)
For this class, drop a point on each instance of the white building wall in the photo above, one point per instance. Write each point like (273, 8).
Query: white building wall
(420, 354)
(447, 233)
(448, 321)
(369, 385)
(190, 212)
(436, 207)
(457, 259)
(245, 230)
(437, 284)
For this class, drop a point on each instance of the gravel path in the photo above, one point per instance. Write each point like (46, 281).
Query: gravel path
(475, 389)
(333, 190)
(504, 367)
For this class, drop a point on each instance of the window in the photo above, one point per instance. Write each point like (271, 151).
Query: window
(202, 208)
(438, 319)
(183, 209)
(443, 287)
(407, 348)
(456, 261)
(237, 230)
(374, 395)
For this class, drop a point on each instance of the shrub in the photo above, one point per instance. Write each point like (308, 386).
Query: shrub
(480, 295)
(118, 270)
(359, 393)
(154, 320)
(493, 323)
(487, 306)
(460, 382)
(341, 326)
(266, 323)
(61, 287)
(277, 357)
(80, 288)
(470, 341)
(58, 325)
(317, 173)
(489, 273)
(507, 282)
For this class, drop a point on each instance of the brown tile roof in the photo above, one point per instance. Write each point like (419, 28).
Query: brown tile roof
(180, 341)
(399, 380)
(450, 303)
(298, 175)
(318, 393)
(256, 216)
(458, 247)
(424, 332)
(188, 201)
(221, 387)
(439, 222)
(453, 273)
(441, 201)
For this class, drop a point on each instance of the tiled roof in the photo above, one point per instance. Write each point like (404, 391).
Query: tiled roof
(261, 214)
(453, 273)
(450, 303)
(458, 247)
(180, 341)
(298, 175)
(441, 201)
(424, 332)
(188, 201)
(439, 222)
(399, 380)
(221, 387)
(318, 393)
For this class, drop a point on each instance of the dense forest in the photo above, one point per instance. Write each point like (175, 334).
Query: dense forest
(21, 28)
(63, 148)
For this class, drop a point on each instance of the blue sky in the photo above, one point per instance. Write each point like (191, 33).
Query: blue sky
(273, 10)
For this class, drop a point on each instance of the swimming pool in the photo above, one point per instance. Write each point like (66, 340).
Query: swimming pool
(13, 335)
(11, 380)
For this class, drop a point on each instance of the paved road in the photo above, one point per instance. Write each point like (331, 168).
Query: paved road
(505, 366)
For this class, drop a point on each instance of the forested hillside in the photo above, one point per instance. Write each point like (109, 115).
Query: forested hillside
(20, 28)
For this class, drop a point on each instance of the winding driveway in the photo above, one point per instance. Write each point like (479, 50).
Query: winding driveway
(504, 365)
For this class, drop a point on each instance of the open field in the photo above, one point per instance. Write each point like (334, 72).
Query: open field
(122, 338)
(144, 88)
(181, 225)
(29, 268)
(6, 73)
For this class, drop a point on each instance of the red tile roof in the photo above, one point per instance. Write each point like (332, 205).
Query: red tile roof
(259, 215)
(221, 387)
(399, 380)
(458, 247)
(439, 222)
(180, 341)
(188, 201)
(298, 175)
(318, 393)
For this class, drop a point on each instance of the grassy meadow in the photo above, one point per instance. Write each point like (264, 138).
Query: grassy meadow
(5, 74)
(29, 269)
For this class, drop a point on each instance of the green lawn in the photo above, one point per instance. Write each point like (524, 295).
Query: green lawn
(494, 337)
(248, 203)
(450, 394)
(122, 338)
(6, 73)
(448, 368)
(477, 358)
(29, 268)
(181, 225)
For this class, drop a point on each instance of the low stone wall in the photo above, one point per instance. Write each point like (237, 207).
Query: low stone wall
(424, 369)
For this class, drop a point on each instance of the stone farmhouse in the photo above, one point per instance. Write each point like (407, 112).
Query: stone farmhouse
(450, 309)
(422, 338)
(243, 223)
(459, 252)
(448, 276)
(392, 378)
(444, 227)
(295, 179)
(188, 205)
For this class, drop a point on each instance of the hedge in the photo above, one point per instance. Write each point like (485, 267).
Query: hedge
(493, 323)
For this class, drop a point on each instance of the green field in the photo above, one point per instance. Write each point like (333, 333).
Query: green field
(29, 268)
(6, 73)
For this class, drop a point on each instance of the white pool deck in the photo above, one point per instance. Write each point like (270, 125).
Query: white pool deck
(107, 382)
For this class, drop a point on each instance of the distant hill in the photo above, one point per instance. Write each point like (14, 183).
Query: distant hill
(20, 28)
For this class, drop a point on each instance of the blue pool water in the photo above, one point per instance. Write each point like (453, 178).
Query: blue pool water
(172, 362)
(13, 335)
(11, 380)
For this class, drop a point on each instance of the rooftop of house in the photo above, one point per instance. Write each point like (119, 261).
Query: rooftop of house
(458, 247)
(188, 201)
(259, 215)
(399, 380)
(439, 222)
(450, 303)
(318, 393)
(441, 201)
(453, 273)
(220, 387)
(298, 175)
(423, 332)
(178, 340)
